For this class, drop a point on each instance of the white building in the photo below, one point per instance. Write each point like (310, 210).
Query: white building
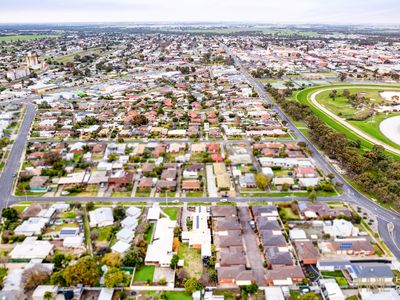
(159, 252)
(101, 217)
(32, 226)
(31, 248)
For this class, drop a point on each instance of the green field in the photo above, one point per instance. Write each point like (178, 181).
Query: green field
(172, 212)
(13, 38)
(338, 275)
(304, 97)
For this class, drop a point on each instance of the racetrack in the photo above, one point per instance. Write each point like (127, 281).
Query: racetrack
(358, 132)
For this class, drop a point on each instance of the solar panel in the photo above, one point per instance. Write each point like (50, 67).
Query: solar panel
(346, 246)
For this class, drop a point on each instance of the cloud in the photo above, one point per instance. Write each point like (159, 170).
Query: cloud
(283, 11)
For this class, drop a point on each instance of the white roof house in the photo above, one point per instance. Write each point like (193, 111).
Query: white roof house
(154, 212)
(125, 234)
(101, 217)
(200, 235)
(31, 248)
(331, 289)
(341, 228)
(120, 247)
(129, 222)
(32, 226)
(159, 252)
(274, 293)
(297, 234)
(133, 211)
(73, 241)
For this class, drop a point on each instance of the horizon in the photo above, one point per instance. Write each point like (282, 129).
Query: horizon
(341, 12)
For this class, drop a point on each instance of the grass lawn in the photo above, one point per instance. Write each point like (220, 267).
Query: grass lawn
(294, 295)
(142, 193)
(121, 194)
(286, 213)
(338, 275)
(172, 212)
(169, 295)
(354, 297)
(144, 273)
(148, 235)
(68, 215)
(193, 264)
(105, 233)
(194, 194)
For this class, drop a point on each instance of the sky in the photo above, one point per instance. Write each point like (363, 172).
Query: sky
(252, 11)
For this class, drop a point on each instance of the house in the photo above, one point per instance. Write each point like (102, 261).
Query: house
(169, 174)
(223, 181)
(73, 242)
(101, 217)
(267, 223)
(306, 252)
(282, 276)
(272, 238)
(321, 210)
(265, 211)
(190, 174)
(146, 183)
(232, 256)
(133, 211)
(129, 222)
(228, 238)
(106, 294)
(331, 289)
(126, 234)
(359, 247)
(190, 185)
(340, 228)
(153, 214)
(120, 177)
(235, 276)
(32, 226)
(370, 273)
(68, 232)
(159, 252)
(223, 211)
(39, 184)
(198, 148)
(279, 182)
(247, 180)
(120, 247)
(31, 248)
(219, 168)
(162, 185)
(305, 172)
(276, 257)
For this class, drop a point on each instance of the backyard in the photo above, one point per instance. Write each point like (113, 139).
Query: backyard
(144, 274)
(338, 275)
(192, 258)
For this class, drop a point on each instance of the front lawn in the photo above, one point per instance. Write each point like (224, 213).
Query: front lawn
(193, 264)
(287, 214)
(172, 212)
(168, 295)
(144, 273)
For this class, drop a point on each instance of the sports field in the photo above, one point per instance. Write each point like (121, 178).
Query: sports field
(13, 38)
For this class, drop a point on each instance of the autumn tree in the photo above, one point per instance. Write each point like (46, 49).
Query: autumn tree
(262, 181)
(112, 259)
(35, 276)
(84, 271)
(115, 277)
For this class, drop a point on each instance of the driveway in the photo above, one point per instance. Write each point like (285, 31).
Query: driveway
(250, 241)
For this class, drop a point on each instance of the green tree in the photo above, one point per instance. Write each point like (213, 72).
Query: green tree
(48, 295)
(309, 296)
(112, 157)
(57, 278)
(262, 181)
(119, 213)
(10, 213)
(115, 277)
(174, 261)
(191, 285)
(85, 271)
(312, 196)
(133, 258)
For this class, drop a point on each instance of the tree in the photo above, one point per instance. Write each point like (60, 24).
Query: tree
(35, 276)
(57, 278)
(262, 181)
(10, 213)
(191, 285)
(174, 261)
(309, 296)
(58, 260)
(48, 295)
(115, 277)
(313, 196)
(176, 244)
(119, 213)
(133, 258)
(85, 271)
(112, 259)
(250, 289)
(342, 76)
(112, 157)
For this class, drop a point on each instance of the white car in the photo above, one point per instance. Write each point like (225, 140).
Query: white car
(223, 200)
